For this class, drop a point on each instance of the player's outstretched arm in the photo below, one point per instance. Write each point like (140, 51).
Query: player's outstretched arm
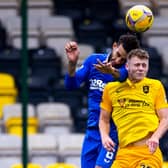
(72, 52)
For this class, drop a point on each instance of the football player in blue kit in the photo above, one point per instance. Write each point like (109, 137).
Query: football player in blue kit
(95, 72)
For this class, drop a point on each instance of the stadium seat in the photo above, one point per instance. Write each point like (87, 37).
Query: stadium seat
(70, 152)
(43, 149)
(55, 118)
(8, 8)
(57, 26)
(10, 150)
(165, 59)
(155, 63)
(157, 35)
(159, 42)
(13, 119)
(61, 165)
(10, 59)
(56, 31)
(80, 119)
(72, 97)
(104, 11)
(162, 7)
(72, 9)
(58, 44)
(44, 60)
(13, 26)
(91, 32)
(29, 165)
(39, 89)
(126, 4)
(8, 91)
(40, 7)
(85, 51)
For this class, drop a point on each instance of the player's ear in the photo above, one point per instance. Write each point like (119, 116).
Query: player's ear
(114, 45)
(126, 66)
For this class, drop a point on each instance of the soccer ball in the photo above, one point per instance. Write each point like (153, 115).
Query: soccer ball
(139, 18)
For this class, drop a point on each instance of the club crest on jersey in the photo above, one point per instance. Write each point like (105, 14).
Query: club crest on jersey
(146, 89)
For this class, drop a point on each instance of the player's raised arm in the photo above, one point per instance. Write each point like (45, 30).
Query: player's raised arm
(72, 52)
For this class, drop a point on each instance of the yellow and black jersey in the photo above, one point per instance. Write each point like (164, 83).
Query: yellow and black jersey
(133, 107)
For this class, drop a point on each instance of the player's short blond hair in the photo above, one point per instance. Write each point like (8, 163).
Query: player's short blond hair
(140, 53)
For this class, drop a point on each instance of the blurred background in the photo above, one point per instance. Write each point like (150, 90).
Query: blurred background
(57, 118)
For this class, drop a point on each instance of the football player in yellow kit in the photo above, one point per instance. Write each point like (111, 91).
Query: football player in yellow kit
(139, 110)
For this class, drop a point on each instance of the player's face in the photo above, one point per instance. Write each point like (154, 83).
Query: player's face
(137, 68)
(118, 55)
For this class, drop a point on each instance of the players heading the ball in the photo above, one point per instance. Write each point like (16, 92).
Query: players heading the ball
(96, 71)
(139, 109)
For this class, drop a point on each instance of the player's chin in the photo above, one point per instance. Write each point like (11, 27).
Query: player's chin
(140, 77)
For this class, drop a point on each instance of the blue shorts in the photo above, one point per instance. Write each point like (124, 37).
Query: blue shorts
(93, 153)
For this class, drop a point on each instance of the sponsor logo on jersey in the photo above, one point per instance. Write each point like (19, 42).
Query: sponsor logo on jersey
(132, 103)
(97, 84)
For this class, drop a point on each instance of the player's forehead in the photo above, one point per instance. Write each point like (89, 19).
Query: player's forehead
(121, 51)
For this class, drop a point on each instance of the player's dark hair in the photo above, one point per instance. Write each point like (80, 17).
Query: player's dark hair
(129, 42)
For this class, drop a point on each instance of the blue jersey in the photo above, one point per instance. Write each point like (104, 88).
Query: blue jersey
(93, 153)
(95, 82)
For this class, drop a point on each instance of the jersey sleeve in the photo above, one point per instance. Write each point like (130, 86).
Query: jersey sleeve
(80, 76)
(161, 100)
(106, 102)
(123, 74)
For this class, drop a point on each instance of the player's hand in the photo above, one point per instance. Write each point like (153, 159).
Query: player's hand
(108, 144)
(152, 143)
(72, 52)
(104, 67)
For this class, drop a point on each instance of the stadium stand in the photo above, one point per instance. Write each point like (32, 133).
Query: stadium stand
(13, 26)
(70, 152)
(158, 42)
(10, 150)
(56, 31)
(43, 149)
(29, 165)
(10, 59)
(13, 119)
(91, 32)
(55, 118)
(8, 8)
(39, 89)
(44, 60)
(162, 7)
(40, 7)
(159, 27)
(8, 91)
(76, 99)
(60, 165)
(164, 52)
(155, 63)
(126, 4)
(85, 51)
